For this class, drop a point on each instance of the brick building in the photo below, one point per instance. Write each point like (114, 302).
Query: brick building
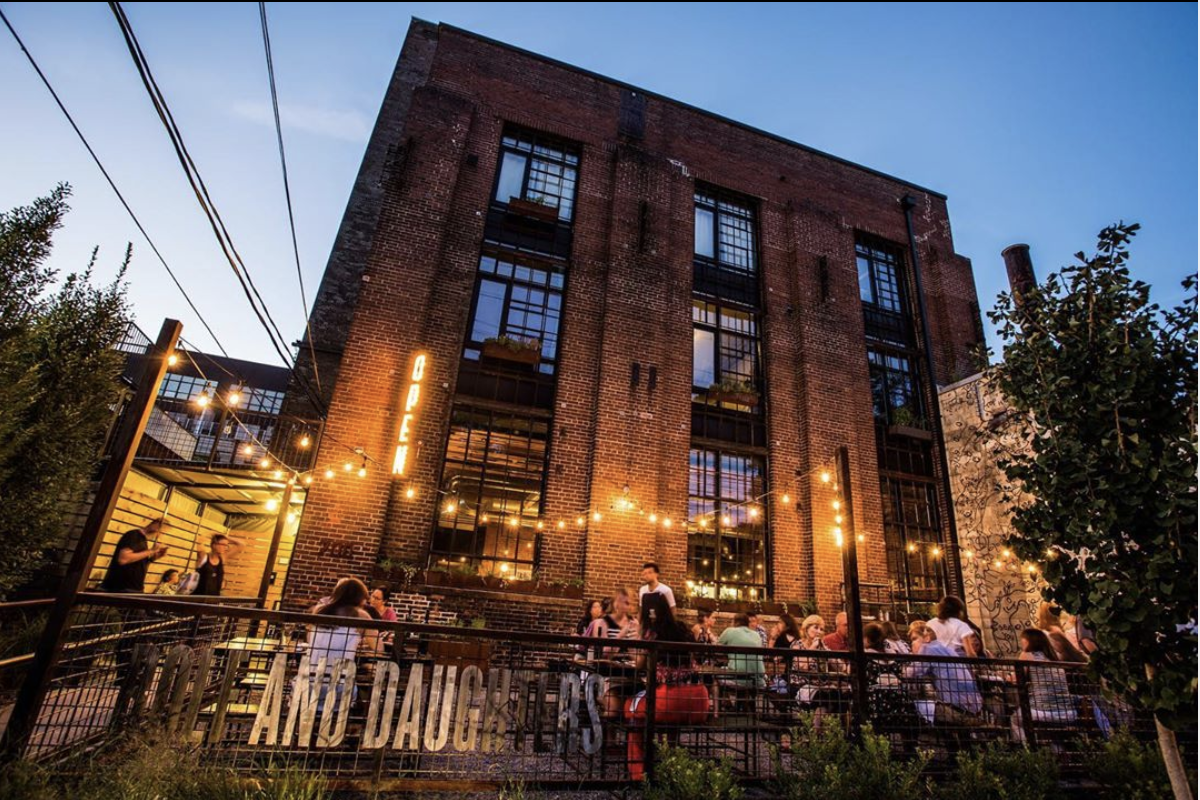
(574, 326)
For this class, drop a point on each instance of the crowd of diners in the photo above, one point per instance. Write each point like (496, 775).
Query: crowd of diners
(951, 693)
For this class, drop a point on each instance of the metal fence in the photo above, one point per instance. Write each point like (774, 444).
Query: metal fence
(401, 706)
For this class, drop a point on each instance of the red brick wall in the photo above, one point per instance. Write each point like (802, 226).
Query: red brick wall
(627, 300)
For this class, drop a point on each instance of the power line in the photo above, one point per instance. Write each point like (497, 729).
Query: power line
(112, 184)
(257, 304)
(287, 192)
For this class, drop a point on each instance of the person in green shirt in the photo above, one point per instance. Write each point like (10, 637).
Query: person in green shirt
(746, 669)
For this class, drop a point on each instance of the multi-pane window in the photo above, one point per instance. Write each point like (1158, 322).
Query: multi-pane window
(538, 169)
(895, 395)
(912, 535)
(262, 400)
(725, 232)
(725, 344)
(517, 302)
(878, 277)
(491, 494)
(182, 387)
(727, 529)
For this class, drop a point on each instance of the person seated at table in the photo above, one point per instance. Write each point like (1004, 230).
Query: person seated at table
(786, 633)
(1049, 691)
(333, 643)
(893, 642)
(745, 669)
(616, 625)
(958, 700)
(678, 699)
(757, 626)
(592, 611)
(840, 638)
(1049, 621)
(950, 630)
(886, 702)
(702, 631)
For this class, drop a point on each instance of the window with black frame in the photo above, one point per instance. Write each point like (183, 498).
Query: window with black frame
(539, 170)
(516, 314)
(881, 287)
(895, 392)
(492, 480)
(912, 537)
(725, 351)
(727, 528)
(725, 252)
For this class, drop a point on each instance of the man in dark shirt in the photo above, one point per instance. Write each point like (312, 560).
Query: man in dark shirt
(127, 571)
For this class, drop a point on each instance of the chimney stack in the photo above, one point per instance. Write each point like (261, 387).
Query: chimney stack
(1020, 269)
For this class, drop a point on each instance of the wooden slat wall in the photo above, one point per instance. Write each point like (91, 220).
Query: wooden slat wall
(244, 571)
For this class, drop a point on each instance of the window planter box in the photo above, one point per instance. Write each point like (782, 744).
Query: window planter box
(740, 398)
(495, 351)
(398, 578)
(910, 432)
(532, 210)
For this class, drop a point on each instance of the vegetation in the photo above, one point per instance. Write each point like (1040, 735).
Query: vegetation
(58, 382)
(678, 775)
(998, 772)
(1102, 388)
(514, 343)
(823, 764)
(1127, 769)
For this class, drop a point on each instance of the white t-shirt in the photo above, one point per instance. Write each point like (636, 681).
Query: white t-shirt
(951, 633)
(662, 589)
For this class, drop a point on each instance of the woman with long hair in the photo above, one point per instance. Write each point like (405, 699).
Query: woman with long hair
(334, 644)
(678, 699)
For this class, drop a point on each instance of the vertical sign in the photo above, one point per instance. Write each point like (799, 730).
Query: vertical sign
(412, 398)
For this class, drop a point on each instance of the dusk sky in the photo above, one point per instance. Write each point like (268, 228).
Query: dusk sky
(1042, 123)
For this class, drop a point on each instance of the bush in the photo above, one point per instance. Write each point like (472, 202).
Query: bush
(824, 765)
(1128, 769)
(680, 776)
(25, 781)
(997, 772)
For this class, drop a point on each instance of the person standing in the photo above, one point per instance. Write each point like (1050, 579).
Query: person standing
(127, 571)
(650, 576)
(211, 567)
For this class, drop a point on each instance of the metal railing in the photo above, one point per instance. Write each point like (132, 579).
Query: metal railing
(404, 706)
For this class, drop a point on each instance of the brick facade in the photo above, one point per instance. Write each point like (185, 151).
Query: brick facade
(407, 287)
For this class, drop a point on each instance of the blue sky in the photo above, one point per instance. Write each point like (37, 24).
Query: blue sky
(1042, 123)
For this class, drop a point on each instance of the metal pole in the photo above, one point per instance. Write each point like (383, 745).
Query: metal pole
(273, 552)
(49, 649)
(853, 596)
(908, 203)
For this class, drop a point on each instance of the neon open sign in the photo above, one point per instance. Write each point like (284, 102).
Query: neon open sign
(412, 399)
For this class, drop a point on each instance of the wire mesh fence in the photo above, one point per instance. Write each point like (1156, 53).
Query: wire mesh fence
(372, 704)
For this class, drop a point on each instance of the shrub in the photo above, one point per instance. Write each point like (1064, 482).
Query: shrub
(997, 772)
(824, 765)
(680, 776)
(1128, 769)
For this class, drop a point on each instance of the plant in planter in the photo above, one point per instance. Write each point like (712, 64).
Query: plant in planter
(905, 422)
(534, 206)
(732, 390)
(513, 348)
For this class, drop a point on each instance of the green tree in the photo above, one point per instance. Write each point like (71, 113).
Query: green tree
(1102, 386)
(58, 382)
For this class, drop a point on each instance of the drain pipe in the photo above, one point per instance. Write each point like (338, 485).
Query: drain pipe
(908, 203)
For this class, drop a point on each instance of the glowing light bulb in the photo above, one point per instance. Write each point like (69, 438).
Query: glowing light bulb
(451, 507)
(667, 522)
(305, 441)
(997, 564)
(410, 493)
(561, 524)
(347, 466)
(725, 520)
(937, 551)
(513, 522)
(291, 517)
(329, 474)
(234, 398)
(1006, 553)
(540, 525)
(504, 567)
(703, 522)
(272, 504)
(837, 505)
(1051, 554)
(753, 513)
(970, 554)
(1032, 569)
(483, 518)
(862, 538)
(653, 518)
(308, 480)
(826, 477)
(785, 499)
(362, 472)
(579, 521)
(912, 548)
(277, 474)
(172, 360)
(837, 518)
(202, 400)
(596, 517)
(266, 462)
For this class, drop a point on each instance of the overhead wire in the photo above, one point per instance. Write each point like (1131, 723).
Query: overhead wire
(287, 192)
(137, 222)
(257, 304)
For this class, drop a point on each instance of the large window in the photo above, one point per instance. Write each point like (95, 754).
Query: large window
(538, 169)
(912, 535)
(725, 348)
(519, 303)
(895, 390)
(725, 232)
(182, 387)
(491, 494)
(878, 277)
(727, 528)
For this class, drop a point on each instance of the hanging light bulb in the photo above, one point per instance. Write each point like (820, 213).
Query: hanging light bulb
(825, 476)
(272, 504)
(410, 493)
(362, 471)
(753, 513)
(704, 522)
(202, 400)
(579, 521)
(540, 525)
(308, 480)
(653, 519)
(266, 462)
(305, 441)
(172, 359)
(862, 538)
(936, 551)
(347, 466)
(291, 517)
(234, 397)
(596, 517)
(667, 522)
(837, 505)
(329, 474)
(726, 521)
(277, 475)
(451, 507)
(837, 518)
(561, 524)
(785, 499)
(247, 449)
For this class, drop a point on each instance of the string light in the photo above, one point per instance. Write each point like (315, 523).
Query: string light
(451, 507)
(483, 518)
(785, 499)
(305, 441)
(513, 522)
(308, 480)
(667, 522)
(347, 466)
(291, 517)
(272, 504)
(725, 520)
(410, 493)
(266, 462)
(539, 525)
(561, 524)
(329, 474)
(837, 505)
(247, 449)
(1006, 553)
(703, 522)
(172, 359)
(596, 517)
(202, 400)
(277, 474)
(997, 564)
(912, 548)
(970, 554)
(753, 512)
(936, 552)
(653, 518)
(862, 538)
(579, 521)
(826, 477)
(234, 397)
